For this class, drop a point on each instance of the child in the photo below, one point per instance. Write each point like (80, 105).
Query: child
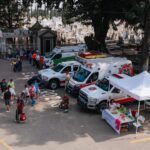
(3, 85)
(64, 105)
(32, 95)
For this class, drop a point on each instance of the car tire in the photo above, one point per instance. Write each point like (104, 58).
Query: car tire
(101, 106)
(53, 84)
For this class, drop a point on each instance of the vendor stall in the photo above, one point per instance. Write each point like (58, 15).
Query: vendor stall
(137, 87)
(117, 119)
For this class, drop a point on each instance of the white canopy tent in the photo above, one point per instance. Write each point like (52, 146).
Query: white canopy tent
(137, 87)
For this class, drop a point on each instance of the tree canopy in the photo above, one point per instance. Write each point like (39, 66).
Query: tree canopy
(100, 13)
(12, 13)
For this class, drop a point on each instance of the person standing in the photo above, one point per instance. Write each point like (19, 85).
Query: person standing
(68, 76)
(3, 85)
(64, 105)
(19, 110)
(32, 95)
(38, 61)
(36, 88)
(19, 65)
(41, 62)
(34, 59)
(26, 93)
(7, 97)
(30, 57)
(11, 84)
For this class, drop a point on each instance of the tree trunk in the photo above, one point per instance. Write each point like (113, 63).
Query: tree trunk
(101, 26)
(146, 40)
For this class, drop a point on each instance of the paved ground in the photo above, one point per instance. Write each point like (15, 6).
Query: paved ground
(48, 128)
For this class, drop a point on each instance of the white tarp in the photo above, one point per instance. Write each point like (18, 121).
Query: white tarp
(137, 87)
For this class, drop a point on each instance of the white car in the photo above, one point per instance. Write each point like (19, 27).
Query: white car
(56, 76)
(96, 96)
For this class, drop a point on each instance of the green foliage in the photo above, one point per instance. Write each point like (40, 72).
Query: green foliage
(101, 13)
(11, 13)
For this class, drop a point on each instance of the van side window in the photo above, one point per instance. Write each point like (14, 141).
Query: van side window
(93, 77)
(57, 56)
(75, 68)
(67, 69)
(115, 90)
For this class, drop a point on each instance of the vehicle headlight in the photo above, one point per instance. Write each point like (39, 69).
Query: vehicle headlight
(45, 78)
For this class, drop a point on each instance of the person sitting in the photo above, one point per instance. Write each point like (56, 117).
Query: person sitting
(113, 105)
(64, 105)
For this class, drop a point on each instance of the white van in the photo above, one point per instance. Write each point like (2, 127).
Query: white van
(96, 70)
(63, 52)
(56, 76)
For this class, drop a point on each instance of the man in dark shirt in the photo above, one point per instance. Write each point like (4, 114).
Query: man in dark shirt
(7, 97)
(3, 85)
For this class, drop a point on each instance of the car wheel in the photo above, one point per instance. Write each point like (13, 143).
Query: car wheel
(101, 106)
(53, 84)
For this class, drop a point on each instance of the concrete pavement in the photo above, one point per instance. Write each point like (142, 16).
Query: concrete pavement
(48, 128)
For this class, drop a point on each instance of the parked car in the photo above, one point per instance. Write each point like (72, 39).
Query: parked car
(56, 76)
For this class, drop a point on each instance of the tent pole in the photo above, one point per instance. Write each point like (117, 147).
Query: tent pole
(137, 117)
(109, 96)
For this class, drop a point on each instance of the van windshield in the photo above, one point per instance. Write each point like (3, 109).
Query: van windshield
(81, 74)
(58, 68)
(50, 55)
(104, 84)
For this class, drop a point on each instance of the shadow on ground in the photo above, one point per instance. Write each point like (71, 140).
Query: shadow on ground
(47, 123)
